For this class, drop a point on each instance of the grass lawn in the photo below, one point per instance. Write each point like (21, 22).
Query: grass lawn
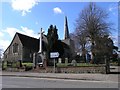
(27, 64)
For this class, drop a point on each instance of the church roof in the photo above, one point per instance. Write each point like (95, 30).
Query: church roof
(66, 31)
(32, 43)
(28, 41)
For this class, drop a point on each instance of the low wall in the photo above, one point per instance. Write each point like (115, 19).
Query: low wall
(95, 69)
(70, 69)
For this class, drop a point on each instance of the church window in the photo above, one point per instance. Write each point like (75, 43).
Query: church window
(15, 48)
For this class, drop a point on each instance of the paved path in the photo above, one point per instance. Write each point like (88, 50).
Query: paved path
(95, 77)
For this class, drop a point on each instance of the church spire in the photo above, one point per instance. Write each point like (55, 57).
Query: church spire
(66, 31)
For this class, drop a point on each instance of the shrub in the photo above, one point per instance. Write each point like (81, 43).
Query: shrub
(27, 68)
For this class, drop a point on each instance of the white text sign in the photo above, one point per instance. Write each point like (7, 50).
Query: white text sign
(54, 54)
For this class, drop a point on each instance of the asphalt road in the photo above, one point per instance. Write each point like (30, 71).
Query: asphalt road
(27, 82)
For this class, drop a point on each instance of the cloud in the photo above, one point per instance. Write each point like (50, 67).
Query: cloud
(57, 10)
(36, 23)
(1, 34)
(24, 6)
(113, 8)
(4, 44)
(11, 31)
(29, 32)
(7, 35)
(24, 30)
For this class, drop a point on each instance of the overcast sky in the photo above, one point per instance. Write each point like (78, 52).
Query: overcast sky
(28, 16)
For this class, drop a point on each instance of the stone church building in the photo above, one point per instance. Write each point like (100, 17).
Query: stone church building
(23, 47)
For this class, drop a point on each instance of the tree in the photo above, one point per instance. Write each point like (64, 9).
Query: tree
(104, 49)
(52, 38)
(80, 42)
(91, 25)
(54, 45)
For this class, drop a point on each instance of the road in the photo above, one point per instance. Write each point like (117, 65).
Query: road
(27, 82)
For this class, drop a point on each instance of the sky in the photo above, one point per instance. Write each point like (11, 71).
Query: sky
(28, 16)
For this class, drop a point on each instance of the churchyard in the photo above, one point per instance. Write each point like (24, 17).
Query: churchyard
(66, 67)
(89, 49)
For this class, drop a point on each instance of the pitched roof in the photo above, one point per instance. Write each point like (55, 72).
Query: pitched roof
(66, 31)
(30, 42)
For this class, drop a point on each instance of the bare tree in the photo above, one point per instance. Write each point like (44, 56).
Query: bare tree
(90, 25)
(74, 38)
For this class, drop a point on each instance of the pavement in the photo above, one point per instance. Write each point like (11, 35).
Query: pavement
(91, 77)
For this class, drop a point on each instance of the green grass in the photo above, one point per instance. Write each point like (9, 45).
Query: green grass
(27, 64)
(62, 64)
(5, 65)
(15, 65)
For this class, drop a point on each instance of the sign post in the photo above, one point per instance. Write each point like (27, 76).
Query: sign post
(54, 65)
(54, 55)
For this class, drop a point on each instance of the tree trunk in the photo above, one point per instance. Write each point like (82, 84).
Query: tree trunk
(84, 53)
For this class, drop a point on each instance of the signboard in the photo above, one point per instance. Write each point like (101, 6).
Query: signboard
(54, 54)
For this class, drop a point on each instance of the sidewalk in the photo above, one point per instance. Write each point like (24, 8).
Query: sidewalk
(93, 77)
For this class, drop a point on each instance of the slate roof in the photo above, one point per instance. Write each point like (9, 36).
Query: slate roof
(30, 42)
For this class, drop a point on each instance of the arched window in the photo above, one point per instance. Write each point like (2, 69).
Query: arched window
(15, 48)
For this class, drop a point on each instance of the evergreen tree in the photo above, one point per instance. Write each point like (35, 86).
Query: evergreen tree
(54, 45)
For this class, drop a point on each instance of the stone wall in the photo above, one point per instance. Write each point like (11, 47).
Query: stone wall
(71, 69)
(9, 55)
(95, 69)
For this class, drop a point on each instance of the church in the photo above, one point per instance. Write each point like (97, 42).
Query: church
(28, 49)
